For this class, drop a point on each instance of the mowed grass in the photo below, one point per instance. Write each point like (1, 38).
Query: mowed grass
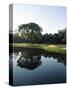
(49, 47)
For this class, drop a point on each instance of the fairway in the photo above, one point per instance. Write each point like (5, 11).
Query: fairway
(49, 47)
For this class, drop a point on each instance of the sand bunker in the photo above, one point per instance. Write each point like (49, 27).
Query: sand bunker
(64, 48)
(52, 46)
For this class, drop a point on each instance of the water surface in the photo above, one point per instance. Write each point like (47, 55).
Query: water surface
(36, 66)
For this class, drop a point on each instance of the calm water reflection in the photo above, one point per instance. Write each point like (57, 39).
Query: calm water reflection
(35, 66)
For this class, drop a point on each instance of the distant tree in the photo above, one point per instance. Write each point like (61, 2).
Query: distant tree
(48, 38)
(45, 38)
(62, 36)
(56, 38)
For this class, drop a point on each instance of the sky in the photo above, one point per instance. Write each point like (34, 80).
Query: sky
(50, 18)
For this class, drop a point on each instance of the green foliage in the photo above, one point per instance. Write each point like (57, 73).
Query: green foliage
(31, 32)
(56, 38)
(62, 35)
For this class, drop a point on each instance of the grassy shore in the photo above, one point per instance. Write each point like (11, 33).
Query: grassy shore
(49, 47)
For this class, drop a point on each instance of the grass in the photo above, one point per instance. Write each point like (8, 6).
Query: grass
(49, 47)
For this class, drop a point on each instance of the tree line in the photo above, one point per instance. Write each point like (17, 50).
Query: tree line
(32, 33)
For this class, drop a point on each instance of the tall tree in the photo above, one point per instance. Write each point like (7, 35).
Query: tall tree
(30, 32)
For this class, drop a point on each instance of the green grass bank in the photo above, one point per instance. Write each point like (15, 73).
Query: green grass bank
(49, 47)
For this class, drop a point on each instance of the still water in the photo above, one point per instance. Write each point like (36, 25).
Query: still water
(36, 66)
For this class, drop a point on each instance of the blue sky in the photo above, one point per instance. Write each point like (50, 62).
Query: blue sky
(50, 18)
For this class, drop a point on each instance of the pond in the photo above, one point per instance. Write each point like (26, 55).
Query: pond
(36, 66)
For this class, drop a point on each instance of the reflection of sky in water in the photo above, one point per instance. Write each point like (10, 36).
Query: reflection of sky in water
(50, 71)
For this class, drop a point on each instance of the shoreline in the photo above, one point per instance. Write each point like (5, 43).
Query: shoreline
(57, 48)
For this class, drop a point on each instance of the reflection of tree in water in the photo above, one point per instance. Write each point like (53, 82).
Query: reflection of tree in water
(29, 59)
(60, 57)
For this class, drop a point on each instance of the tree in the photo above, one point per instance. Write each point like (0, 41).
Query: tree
(56, 38)
(30, 32)
(62, 36)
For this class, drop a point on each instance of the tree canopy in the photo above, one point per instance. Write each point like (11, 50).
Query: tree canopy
(56, 38)
(30, 27)
(32, 33)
